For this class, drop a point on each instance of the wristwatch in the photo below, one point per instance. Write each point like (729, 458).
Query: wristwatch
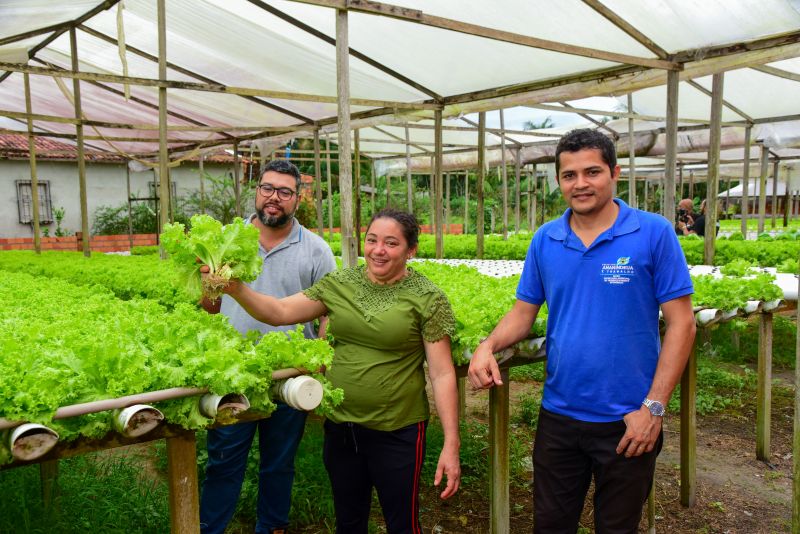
(655, 407)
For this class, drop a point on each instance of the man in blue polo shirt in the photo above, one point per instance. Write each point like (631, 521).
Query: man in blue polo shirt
(604, 270)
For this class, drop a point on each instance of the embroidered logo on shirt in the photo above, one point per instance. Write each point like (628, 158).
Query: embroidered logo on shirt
(618, 273)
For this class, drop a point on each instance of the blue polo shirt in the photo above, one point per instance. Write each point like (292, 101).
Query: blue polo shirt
(603, 301)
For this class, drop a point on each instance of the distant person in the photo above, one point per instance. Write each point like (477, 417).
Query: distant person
(604, 270)
(685, 216)
(294, 259)
(386, 320)
(698, 224)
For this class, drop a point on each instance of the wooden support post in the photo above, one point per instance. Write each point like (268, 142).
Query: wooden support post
(533, 187)
(35, 217)
(76, 95)
(48, 478)
(762, 184)
(712, 181)
(745, 211)
(184, 502)
(203, 185)
(357, 187)
(349, 253)
(651, 509)
(517, 189)
(466, 202)
(646, 199)
(372, 209)
(691, 185)
(130, 214)
(668, 195)
(330, 185)
(437, 181)
(680, 184)
(631, 156)
(410, 188)
(796, 429)
(774, 210)
(499, 505)
(505, 174)
(689, 430)
(764, 396)
(388, 191)
(481, 175)
(447, 204)
(318, 185)
(237, 184)
(787, 198)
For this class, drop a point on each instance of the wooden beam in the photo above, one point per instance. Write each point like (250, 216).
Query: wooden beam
(762, 193)
(780, 73)
(725, 103)
(330, 184)
(504, 176)
(164, 189)
(418, 17)
(398, 138)
(184, 490)
(745, 206)
(672, 146)
(410, 191)
(355, 53)
(628, 28)
(517, 190)
(756, 45)
(500, 134)
(349, 255)
(495, 131)
(481, 175)
(437, 201)
(37, 239)
(764, 387)
(499, 456)
(688, 430)
(318, 184)
(209, 87)
(617, 114)
(594, 121)
(76, 95)
(60, 27)
(631, 155)
(193, 74)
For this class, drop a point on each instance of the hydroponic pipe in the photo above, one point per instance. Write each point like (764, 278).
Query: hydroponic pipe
(141, 398)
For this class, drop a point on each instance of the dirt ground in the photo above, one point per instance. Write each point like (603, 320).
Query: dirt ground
(735, 492)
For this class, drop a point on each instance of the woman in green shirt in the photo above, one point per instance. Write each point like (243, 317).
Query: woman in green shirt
(386, 320)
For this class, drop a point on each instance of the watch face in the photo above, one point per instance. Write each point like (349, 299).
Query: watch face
(656, 408)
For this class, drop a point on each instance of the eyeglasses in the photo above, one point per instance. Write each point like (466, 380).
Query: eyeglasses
(267, 190)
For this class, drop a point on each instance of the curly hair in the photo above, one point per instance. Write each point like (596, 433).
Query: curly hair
(408, 223)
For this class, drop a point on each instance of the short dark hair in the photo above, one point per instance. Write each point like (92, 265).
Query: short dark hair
(584, 138)
(284, 167)
(408, 223)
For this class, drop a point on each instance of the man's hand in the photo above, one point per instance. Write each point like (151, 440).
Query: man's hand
(483, 369)
(642, 433)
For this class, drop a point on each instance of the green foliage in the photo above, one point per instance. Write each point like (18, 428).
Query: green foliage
(527, 409)
(96, 493)
(94, 346)
(789, 265)
(144, 250)
(728, 293)
(736, 341)
(229, 251)
(127, 277)
(109, 220)
(218, 199)
(739, 267)
(718, 387)
(58, 215)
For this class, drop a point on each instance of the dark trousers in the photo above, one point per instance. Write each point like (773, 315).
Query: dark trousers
(358, 459)
(566, 454)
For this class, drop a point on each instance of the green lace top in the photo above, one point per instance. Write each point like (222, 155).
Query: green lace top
(378, 333)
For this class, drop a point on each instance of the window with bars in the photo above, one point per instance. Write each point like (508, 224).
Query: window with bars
(25, 202)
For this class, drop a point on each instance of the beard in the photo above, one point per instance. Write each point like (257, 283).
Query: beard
(274, 221)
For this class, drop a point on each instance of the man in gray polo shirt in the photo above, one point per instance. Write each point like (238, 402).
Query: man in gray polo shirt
(294, 259)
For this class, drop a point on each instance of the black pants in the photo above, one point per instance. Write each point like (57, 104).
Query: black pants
(358, 459)
(566, 454)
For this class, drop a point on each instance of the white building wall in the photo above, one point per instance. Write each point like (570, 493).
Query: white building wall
(105, 186)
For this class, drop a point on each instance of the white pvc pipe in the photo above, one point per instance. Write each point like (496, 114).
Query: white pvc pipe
(752, 306)
(772, 305)
(30, 441)
(140, 398)
(137, 420)
(730, 314)
(708, 316)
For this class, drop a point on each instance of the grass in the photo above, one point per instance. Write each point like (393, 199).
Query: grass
(96, 493)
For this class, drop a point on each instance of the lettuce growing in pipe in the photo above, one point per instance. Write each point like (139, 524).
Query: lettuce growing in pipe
(229, 251)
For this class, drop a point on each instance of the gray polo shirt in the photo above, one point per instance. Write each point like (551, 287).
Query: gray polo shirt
(292, 266)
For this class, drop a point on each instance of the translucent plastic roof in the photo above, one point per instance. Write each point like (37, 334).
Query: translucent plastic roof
(463, 55)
